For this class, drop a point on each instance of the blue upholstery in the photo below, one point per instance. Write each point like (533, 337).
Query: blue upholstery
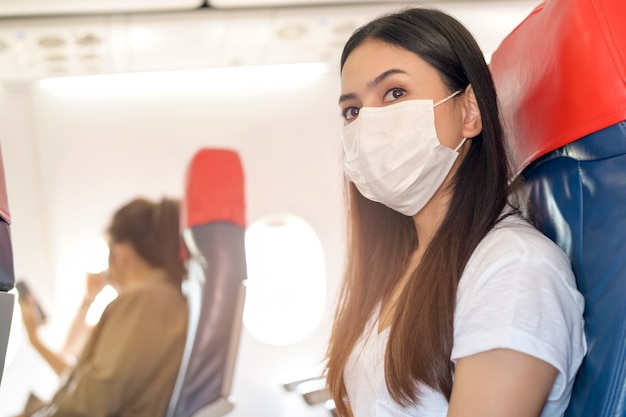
(7, 276)
(579, 197)
(216, 273)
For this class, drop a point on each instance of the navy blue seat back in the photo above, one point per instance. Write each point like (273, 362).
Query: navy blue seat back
(579, 194)
(213, 235)
(7, 273)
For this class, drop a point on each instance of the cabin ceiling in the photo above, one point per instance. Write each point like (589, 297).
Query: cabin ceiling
(48, 7)
(45, 38)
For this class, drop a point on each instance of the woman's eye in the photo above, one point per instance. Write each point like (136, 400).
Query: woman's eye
(350, 113)
(394, 94)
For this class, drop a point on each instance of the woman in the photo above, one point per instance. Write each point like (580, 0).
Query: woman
(129, 364)
(452, 304)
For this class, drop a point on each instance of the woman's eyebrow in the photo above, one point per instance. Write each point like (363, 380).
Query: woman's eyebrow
(376, 81)
(373, 84)
(344, 97)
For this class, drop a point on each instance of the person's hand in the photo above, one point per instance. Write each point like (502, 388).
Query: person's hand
(94, 284)
(30, 317)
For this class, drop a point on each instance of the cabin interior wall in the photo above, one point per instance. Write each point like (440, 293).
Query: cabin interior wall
(71, 161)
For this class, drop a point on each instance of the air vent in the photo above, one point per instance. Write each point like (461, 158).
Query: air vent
(293, 31)
(88, 57)
(51, 41)
(88, 40)
(55, 58)
(345, 29)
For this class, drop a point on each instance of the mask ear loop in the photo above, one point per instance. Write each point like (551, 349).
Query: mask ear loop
(460, 144)
(447, 98)
(443, 101)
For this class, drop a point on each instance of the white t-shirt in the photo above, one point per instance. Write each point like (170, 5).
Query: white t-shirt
(517, 292)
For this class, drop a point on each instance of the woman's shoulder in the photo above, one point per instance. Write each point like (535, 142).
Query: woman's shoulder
(518, 292)
(154, 295)
(515, 253)
(514, 236)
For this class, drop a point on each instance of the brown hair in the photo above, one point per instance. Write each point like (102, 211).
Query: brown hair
(381, 240)
(153, 230)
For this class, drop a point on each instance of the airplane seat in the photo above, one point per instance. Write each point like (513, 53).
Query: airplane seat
(213, 226)
(314, 391)
(561, 80)
(7, 273)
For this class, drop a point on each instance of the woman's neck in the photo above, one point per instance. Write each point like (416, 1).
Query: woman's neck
(140, 273)
(429, 219)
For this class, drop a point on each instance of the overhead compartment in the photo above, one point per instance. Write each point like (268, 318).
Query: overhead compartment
(37, 47)
(49, 46)
(236, 37)
(33, 48)
(276, 3)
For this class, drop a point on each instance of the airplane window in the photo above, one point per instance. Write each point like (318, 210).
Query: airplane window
(286, 286)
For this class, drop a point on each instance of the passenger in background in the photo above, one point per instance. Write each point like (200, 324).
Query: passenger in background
(129, 364)
(452, 304)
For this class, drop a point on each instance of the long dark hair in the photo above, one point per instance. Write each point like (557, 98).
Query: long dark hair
(381, 240)
(152, 229)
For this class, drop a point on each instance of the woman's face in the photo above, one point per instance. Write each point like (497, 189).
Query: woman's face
(378, 74)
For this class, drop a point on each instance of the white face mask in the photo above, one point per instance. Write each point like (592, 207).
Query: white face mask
(393, 156)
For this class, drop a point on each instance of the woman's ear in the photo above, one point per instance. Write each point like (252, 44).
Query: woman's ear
(472, 121)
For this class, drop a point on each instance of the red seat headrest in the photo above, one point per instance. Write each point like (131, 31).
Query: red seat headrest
(561, 75)
(214, 190)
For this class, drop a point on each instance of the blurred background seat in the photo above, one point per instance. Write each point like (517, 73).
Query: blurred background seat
(7, 274)
(213, 232)
(314, 392)
(561, 80)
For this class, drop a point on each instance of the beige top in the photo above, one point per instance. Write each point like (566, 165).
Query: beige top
(130, 362)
